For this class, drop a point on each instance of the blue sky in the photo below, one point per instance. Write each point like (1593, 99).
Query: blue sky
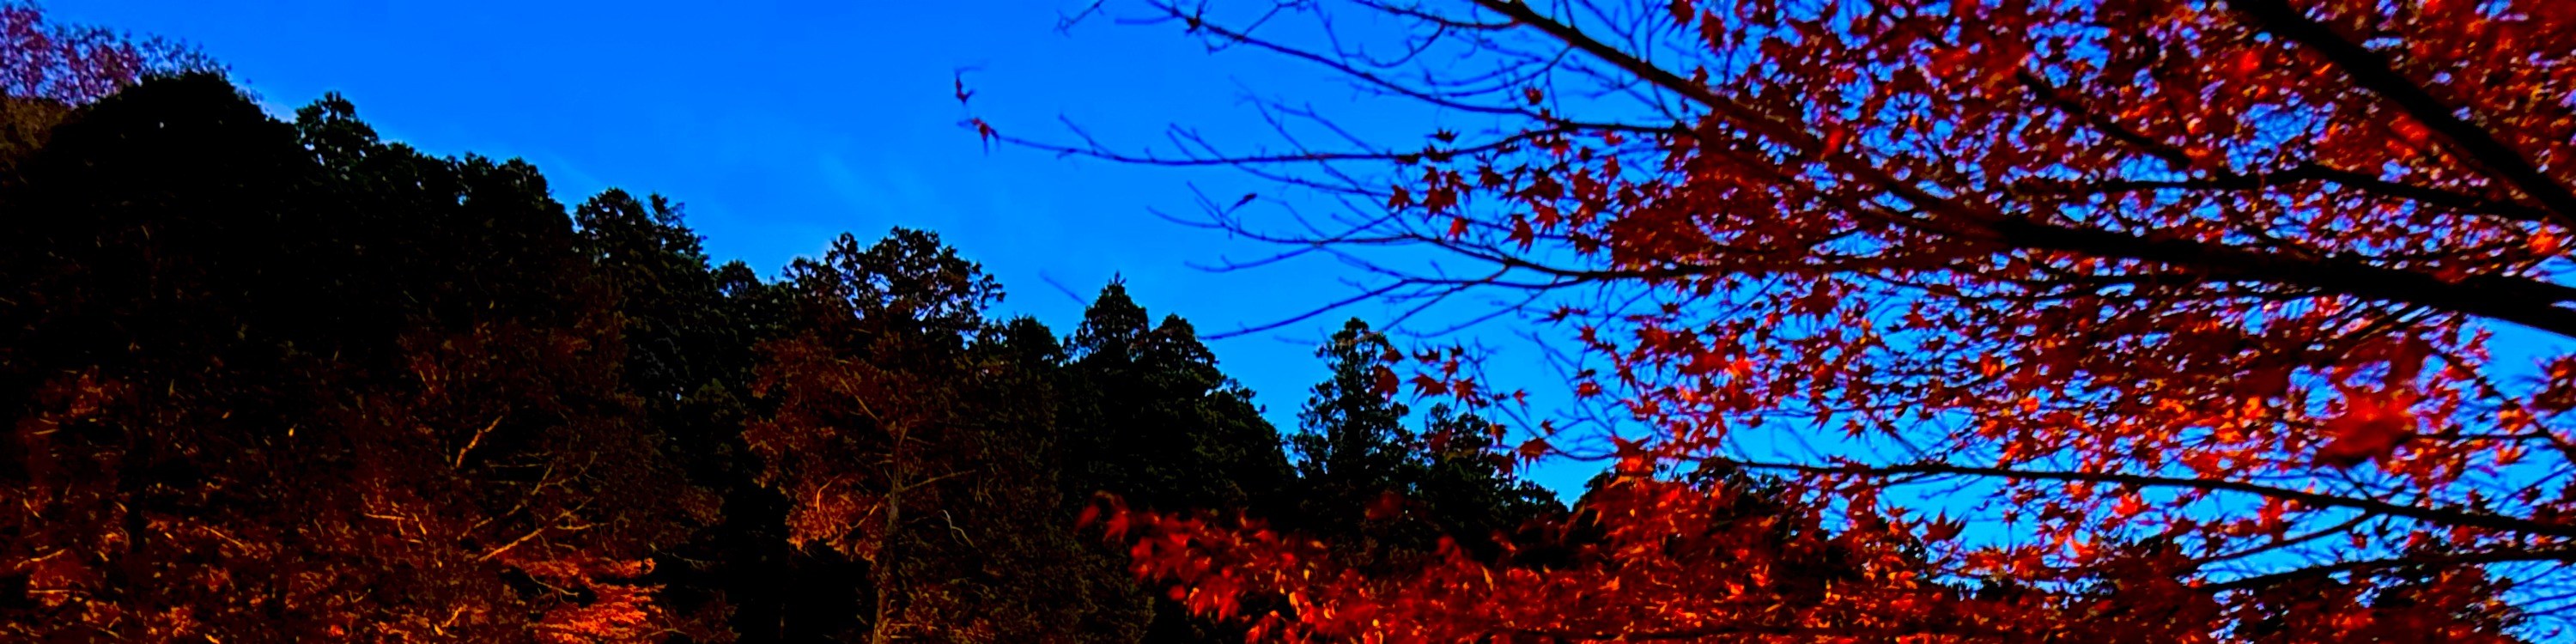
(782, 124)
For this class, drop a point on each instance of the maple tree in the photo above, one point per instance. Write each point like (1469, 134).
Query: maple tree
(2093, 320)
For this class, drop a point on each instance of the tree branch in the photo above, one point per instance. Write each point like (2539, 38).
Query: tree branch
(2312, 172)
(2523, 301)
(2371, 71)
(2507, 556)
(2440, 516)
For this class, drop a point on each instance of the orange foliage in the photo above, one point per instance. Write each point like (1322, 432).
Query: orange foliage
(616, 610)
(2186, 311)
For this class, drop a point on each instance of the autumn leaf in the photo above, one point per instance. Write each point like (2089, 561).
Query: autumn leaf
(1533, 449)
(1942, 529)
(1116, 528)
(2373, 424)
(1424, 385)
(984, 131)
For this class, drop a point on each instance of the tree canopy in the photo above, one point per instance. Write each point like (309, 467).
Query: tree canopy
(2160, 321)
(280, 379)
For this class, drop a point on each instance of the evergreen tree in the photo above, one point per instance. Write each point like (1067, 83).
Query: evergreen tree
(1367, 478)
(1159, 424)
(914, 435)
(1151, 419)
(690, 330)
(1464, 483)
(672, 311)
(1352, 445)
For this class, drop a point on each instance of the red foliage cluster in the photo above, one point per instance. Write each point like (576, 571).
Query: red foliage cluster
(2188, 311)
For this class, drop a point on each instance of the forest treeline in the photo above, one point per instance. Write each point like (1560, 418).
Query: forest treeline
(283, 380)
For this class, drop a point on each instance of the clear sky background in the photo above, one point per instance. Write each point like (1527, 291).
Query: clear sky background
(782, 124)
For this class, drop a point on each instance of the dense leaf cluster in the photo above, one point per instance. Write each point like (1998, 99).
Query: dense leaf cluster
(2152, 321)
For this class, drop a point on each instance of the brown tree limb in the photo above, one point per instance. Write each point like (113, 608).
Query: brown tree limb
(2371, 71)
(2528, 302)
(2441, 516)
(2312, 572)
(2311, 172)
